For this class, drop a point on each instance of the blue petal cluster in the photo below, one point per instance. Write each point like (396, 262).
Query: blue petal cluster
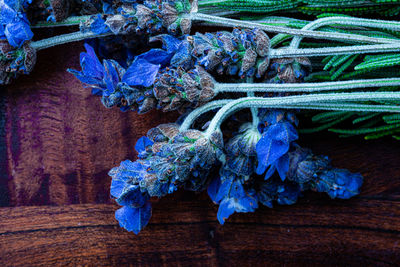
(155, 79)
(14, 25)
(232, 195)
(271, 147)
(125, 88)
(339, 183)
(231, 189)
(316, 173)
(168, 159)
(278, 133)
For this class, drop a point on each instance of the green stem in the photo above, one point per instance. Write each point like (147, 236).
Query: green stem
(254, 111)
(327, 51)
(66, 38)
(342, 107)
(300, 102)
(207, 3)
(358, 22)
(346, 107)
(278, 29)
(71, 21)
(305, 87)
(187, 123)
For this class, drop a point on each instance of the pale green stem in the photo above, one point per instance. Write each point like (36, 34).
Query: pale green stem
(327, 51)
(201, 110)
(358, 22)
(66, 38)
(78, 36)
(70, 21)
(299, 101)
(279, 29)
(323, 106)
(348, 107)
(254, 111)
(209, 2)
(304, 87)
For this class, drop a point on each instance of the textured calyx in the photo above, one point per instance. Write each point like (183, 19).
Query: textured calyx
(15, 61)
(241, 52)
(61, 9)
(151, 17)
(289, 70)
(176, 88)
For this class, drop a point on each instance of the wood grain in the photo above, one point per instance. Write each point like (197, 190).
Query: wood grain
(186, 233)
(60, 141)
(57, 143)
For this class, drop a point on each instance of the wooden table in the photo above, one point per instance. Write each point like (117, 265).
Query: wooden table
(57, 143)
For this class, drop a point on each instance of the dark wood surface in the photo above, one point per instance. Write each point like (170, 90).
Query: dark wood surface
(57, 143)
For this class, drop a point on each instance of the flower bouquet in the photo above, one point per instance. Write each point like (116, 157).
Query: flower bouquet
(245, 75)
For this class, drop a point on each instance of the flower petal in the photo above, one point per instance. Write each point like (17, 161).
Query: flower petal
(282, 166)
(156, 56)
(274, 143)
(141, 73)
(213, 189)
(226, 209)
(18, 32)
(142, 143)
(132, 196)
(134, 219)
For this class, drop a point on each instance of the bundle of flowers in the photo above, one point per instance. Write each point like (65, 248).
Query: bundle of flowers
(211, 59)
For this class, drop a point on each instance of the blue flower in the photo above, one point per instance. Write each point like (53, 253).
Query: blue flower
(174, 53)
(92, 70)
(18, 32)
(231, 195)
(143, 146)
(125, 183)
(339, 183)
(273, 147)
(162, 56)
(316, 173)
(14, 24)
(283, 192)
(141, 73)
(126, 189)
(134, 219)
(98, 25)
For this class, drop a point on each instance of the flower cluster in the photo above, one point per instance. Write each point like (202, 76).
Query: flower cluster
(143, 55)
(240, 52)
(145, 84)
(178, 76)
(170, 158)
(289, 70)
(150, 17)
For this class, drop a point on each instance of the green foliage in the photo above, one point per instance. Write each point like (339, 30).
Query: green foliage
(310, 7)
